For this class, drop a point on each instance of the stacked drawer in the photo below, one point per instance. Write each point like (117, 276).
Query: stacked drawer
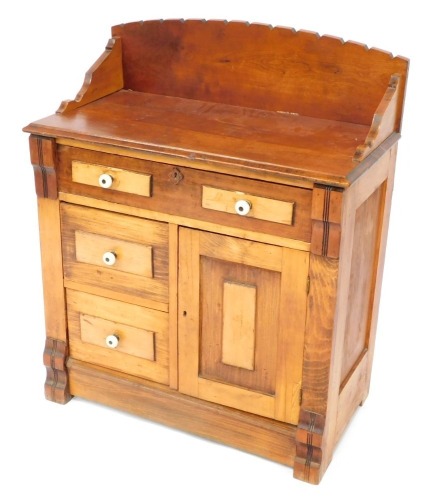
(116, 278)
(116, 264)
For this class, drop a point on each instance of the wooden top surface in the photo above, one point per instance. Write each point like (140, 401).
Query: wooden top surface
(314, 149)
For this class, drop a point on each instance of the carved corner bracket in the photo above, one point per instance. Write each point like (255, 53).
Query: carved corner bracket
(326, 221)
(56, 385)
(385, 120)
(43, 158)
(309, 436)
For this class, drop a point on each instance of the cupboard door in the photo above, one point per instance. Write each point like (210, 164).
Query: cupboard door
(242, 308)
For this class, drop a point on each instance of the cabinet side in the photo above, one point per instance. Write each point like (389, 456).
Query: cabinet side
(372, 195)
(347, 252)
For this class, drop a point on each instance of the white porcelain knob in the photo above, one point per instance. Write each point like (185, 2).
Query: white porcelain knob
(242, 207)
(112, 341)
(105, 181)
(109, 258)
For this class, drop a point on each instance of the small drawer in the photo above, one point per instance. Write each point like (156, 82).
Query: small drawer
(118, 335)
(248, 205)
(110, 178)
(115, 253)
(118, 252)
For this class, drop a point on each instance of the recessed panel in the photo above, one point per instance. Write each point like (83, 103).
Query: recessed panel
(131, 340)
(119, 180)
(239, 309)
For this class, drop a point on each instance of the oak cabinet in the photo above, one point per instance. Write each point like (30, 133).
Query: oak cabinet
(213, 220)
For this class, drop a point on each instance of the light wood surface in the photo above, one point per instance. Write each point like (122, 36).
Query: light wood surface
(173, 275)
(245, 172)
(143, 343)
(184, 221)
(239, 308)
(112, 294)
(129, 257)
(260, 208)
(127, 182)
(133, 239)
(51, 263)
(208, 262)
(275, 440)
(134, 341)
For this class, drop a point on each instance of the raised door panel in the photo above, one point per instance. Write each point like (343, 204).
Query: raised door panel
(242, 318)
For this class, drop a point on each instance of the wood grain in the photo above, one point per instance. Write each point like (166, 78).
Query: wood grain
(385, 120)
(104, 77)
(215, 274)
(44, 161)
(56, 386)
(309, 441)
(52, 269)
(111, 294)
(133, 324)
(292, 322)
(326, 221)
(303, 72)
(207, 263)
(323, 274)
(248, 253)
(386, 165)
(134, 341)
(122, 180)
(367, 227)
(173, 277)
(351, 394)
(185, 221)
(241, 171)
(238, 341)
(171, 198)
(227, 326)
(261, 208)
(295, 147)
(129, 257)
(336, 412)
(131, 238)
(274, 440)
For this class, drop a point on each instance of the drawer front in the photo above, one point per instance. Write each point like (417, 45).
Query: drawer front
(121, 253)
(247, 205)
(117, 335)
(275, 209)
(110, 178)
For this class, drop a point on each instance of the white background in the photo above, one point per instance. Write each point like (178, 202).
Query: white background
(83, 450)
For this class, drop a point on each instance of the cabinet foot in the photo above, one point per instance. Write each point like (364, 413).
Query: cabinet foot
(309, 435)
(56, 385)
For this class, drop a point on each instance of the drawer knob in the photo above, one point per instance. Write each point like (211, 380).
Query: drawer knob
(242, 207)
(109, 258)
(105, 181)
(112, 341)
